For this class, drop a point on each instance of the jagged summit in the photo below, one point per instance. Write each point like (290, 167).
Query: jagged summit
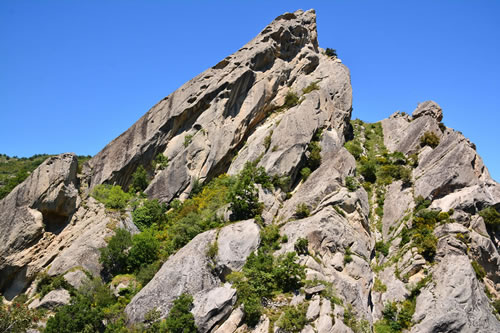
(220, 108)
(284, 214)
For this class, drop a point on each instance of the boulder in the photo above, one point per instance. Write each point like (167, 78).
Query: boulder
(52, 300)
(428, 108)
(209, 307)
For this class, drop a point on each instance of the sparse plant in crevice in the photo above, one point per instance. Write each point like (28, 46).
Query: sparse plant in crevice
(331, 52)
(429, 139)
(305, 173)
(302, 211)
(351, 183)
(347, 255)
(311, 87)
(160, 162)
(291, 100)
(267, 140)
(187, 140)
(490, 216)
(301, 245)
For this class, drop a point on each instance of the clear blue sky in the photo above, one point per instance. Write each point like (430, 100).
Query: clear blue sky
(76, 74)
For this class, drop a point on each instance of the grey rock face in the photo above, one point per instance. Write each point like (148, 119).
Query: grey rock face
(455, 301)
(52, 300)
(76, 278)
(200, 126)
(428, 108)
(211, 306)
(44, 202)
(190, 271)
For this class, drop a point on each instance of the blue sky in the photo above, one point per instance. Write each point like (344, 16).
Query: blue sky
(76, 74)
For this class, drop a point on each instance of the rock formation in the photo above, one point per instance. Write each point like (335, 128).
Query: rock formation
(388, 220)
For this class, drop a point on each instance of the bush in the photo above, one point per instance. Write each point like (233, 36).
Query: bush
(160, 162)
(188, 139)
(354, 148)
(351, 183)
(293, 319)
(180, 319)
(382, 247)
(144, 251)
(267, 140)
(244, 196)
(379, 286)
(311, 87)
(314, 158)
(114, 257)
(111, 196)
(301, 245)
(287, 273)
(347, 256)
(331, 52)
(151, 211)
(16, 318)
(491, 216)
(480, 272)
(302, 211)
(368, 170)
(291, 100)
(139, 179)
(429, 139)
(305, 173)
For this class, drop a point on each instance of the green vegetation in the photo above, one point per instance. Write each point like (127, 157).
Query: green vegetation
(291, 100)
(331, 52)
(314, 151)
(112, 197)
(149, 212)
(301, 245)
(47, 283)
(351, 183)
(378, 286)
(16, 317)
(491, 216)
(188, 139)
(479, 270)
(382, 247)
(305, 173)
(180, 318)
(160, 162)
(294, 318)
(347, 255)
(267, 140)
(311, 87)
(429, 139)
(302, 211)
(139, 180)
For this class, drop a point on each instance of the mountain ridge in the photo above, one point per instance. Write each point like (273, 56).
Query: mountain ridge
(368, 221)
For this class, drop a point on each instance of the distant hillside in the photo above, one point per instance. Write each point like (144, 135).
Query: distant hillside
(14, 170)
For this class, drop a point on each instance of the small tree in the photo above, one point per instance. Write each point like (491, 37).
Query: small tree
(139, 179)
(114, 257)
(429, 139)
(331, 52)
(180, 319)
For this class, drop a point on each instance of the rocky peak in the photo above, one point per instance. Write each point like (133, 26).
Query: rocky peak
(428, 108)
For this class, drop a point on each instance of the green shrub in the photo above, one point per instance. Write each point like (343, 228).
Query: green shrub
(212, 250)
(302, 211)
(267, 140)
(188, 139)
(314, 158)
(294, 318)
(139, 179)
(291, 100)
(382, 247)
(150, 212)
(347, 255)
(48, 283)
(351, 183)
(331, 52)
(368, 169)
(305, 173)
(112, 197)
(144, 251)
(16, 317)
(160, 162)
(284, 239)
(429, 139)
(311, 87)
(379, 286)
(269, 237)
(491, 216)
(301, 245)
(180, 319)
(114, 257)
(354, 147)
(480, 272)
(287, 273)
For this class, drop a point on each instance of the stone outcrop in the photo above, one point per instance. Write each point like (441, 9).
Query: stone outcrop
(202, 125)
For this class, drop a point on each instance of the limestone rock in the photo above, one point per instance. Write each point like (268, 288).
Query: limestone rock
(76, 278)
(314, 308)
(428, 108)
(232, 323)
(44, 202)
(190, 270)
(52, 300)
(454, 301)
(209, 307)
